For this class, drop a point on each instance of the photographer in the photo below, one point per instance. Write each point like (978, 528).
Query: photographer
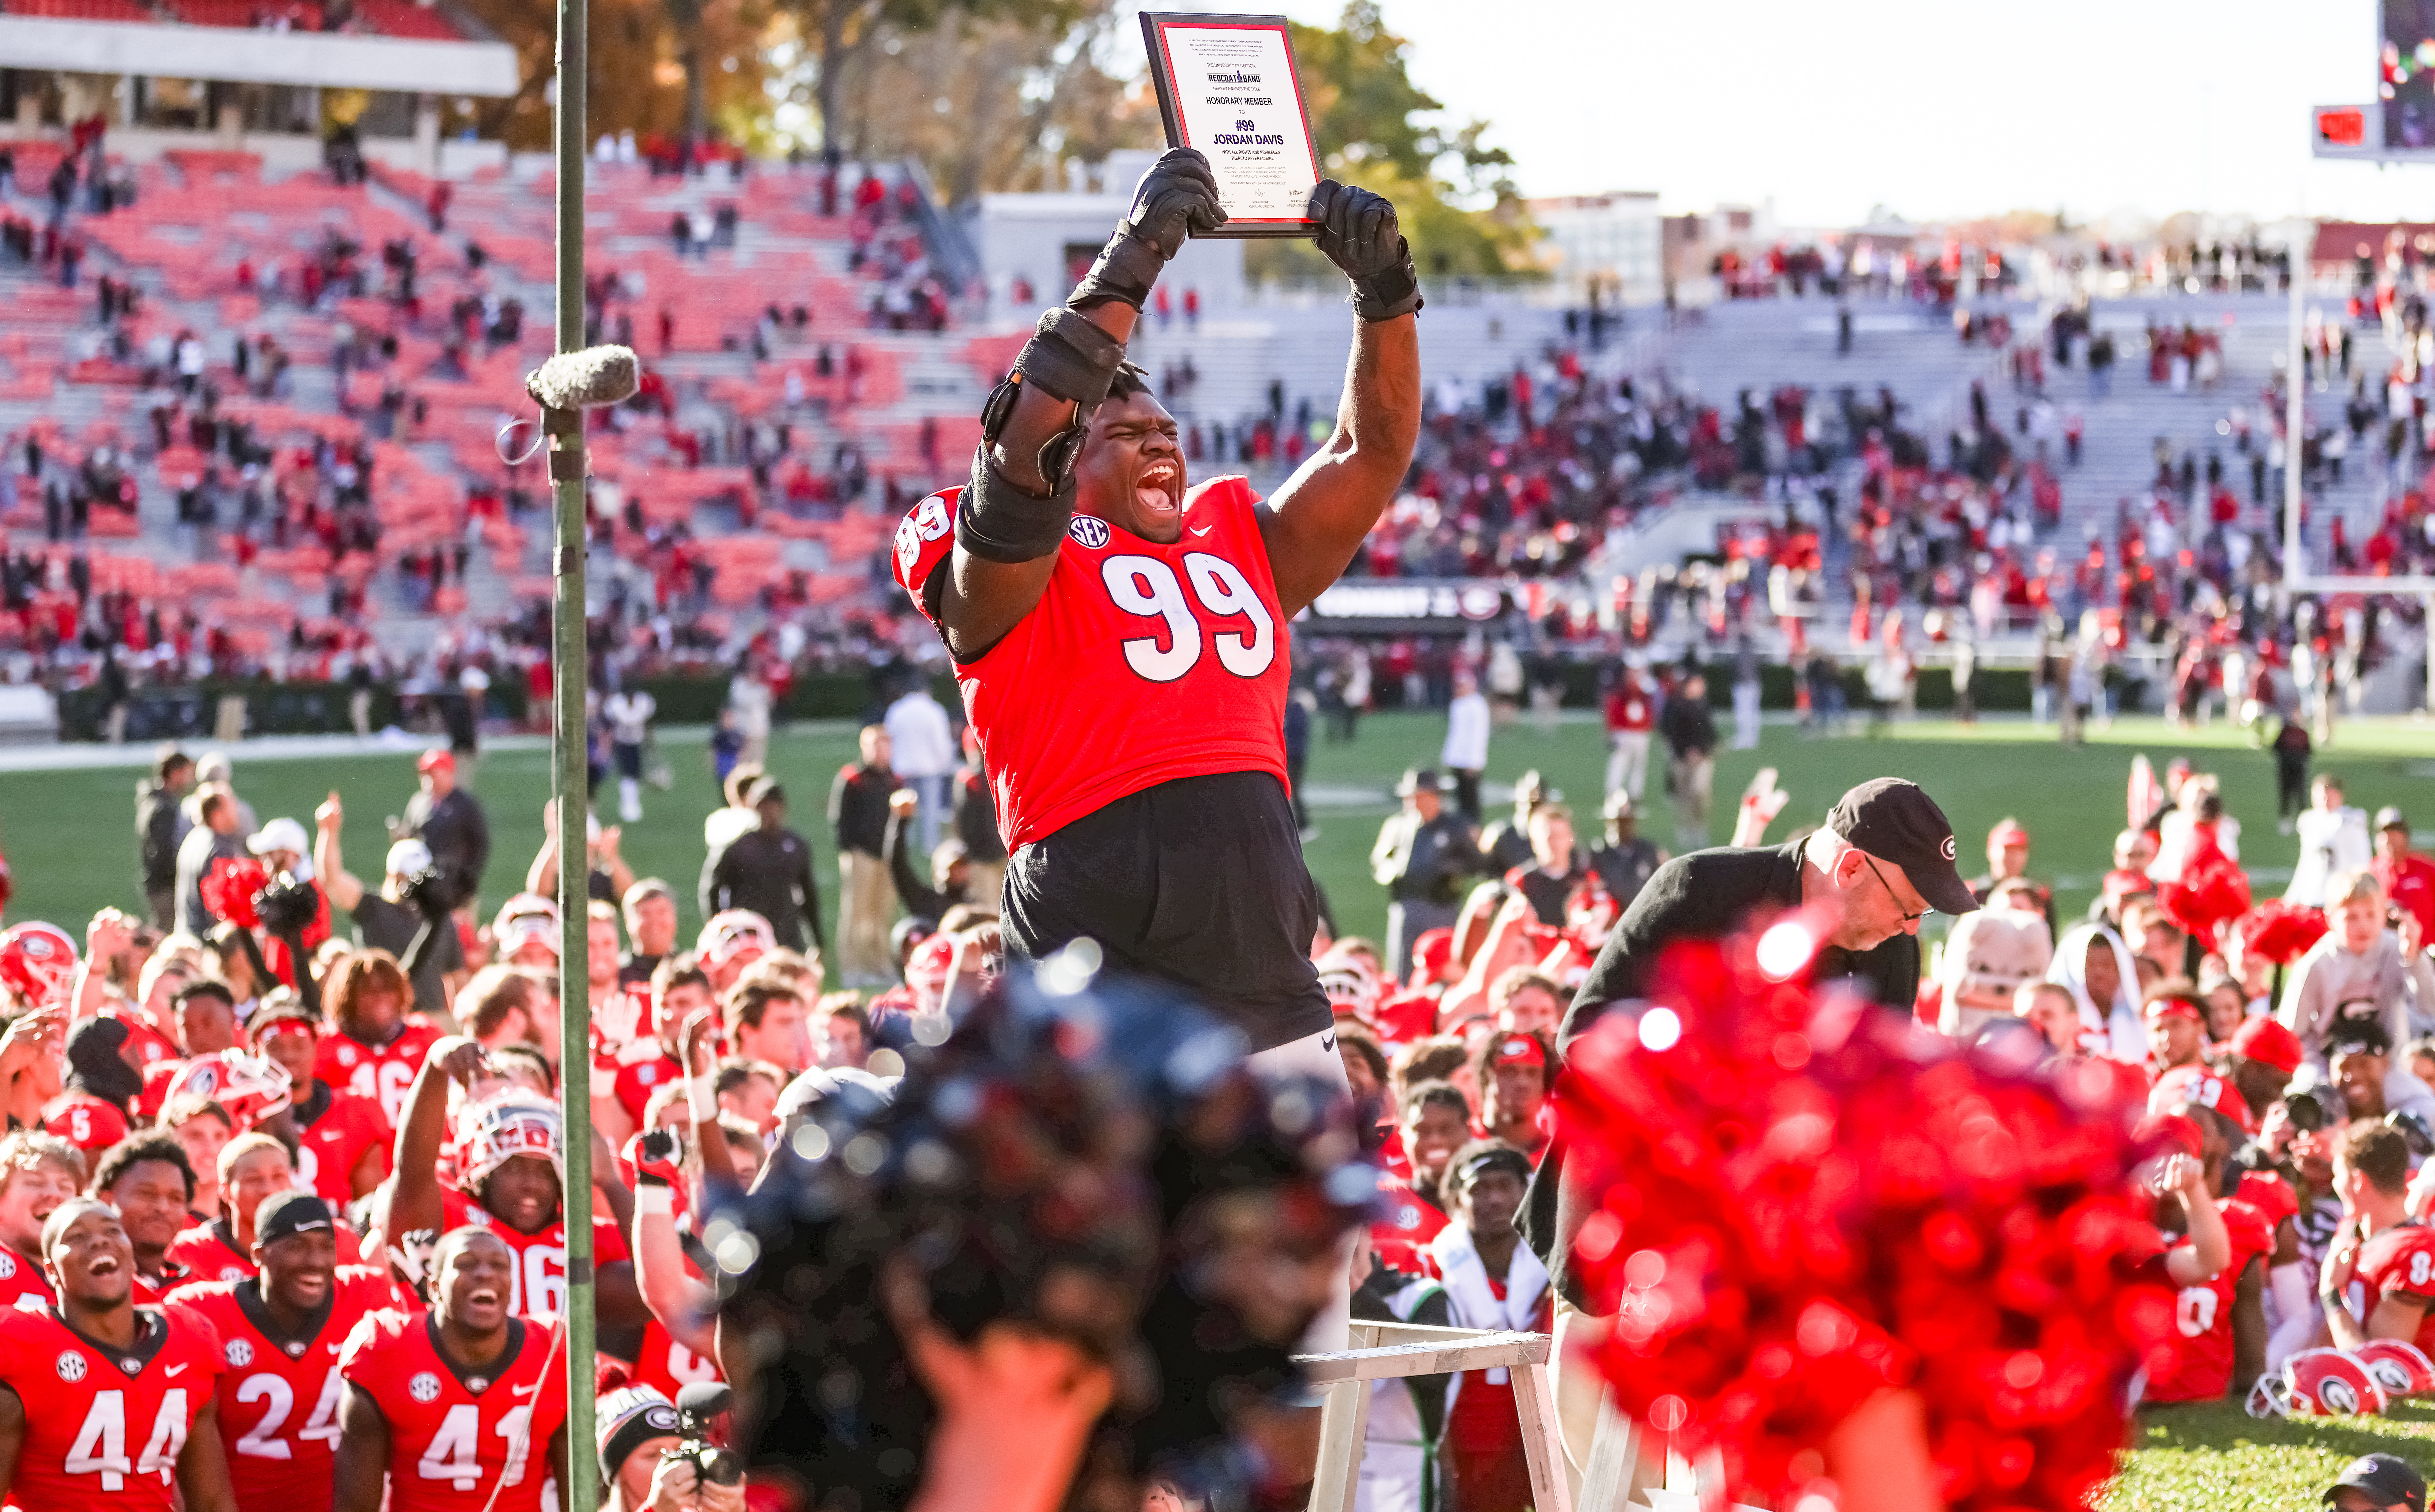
(637, 1427)
(392, 917)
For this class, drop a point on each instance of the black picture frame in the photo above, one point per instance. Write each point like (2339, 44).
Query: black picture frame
(1154, 25)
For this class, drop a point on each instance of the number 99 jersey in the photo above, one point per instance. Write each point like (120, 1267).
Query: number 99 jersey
(104, 1429)
(1140, 665)
(476, 1443)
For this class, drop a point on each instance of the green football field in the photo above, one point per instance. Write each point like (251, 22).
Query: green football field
(69, 839)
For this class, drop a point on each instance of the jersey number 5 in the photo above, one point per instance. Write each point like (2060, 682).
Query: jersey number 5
(1146, 586)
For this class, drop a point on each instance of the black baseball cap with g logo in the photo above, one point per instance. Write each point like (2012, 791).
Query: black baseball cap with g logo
(1893, 821)
(2386, 1477)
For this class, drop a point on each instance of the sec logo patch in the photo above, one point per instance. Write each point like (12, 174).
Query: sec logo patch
(240, 1353)
(424, 1387)
(71, 1366)
(1089, 531)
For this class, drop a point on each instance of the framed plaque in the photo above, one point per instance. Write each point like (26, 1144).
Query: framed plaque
(1227, 89)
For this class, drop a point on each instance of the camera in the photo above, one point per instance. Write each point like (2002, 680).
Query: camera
(697, 1405)
(430, 892)
(287, 906)
(2307, 1110)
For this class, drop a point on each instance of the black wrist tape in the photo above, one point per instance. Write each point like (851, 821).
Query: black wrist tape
(1071, 358)
(998, 522)
(1127, 267)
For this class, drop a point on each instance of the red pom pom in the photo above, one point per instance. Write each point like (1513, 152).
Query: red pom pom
(2281, 932)
(2213, 892)
(229, 888)
(1780, 1237)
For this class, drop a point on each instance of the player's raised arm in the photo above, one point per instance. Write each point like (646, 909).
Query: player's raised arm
(1014, 512)
(1316, 521)
(414, 1196)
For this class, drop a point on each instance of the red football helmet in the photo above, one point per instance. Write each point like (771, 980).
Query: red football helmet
(1350, 986)
(2318, 1383)
(2399, 1366)
(253, 1088)
(503, 1125)
(37, 963)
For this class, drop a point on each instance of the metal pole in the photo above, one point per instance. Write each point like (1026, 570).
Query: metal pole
(2294, 406)
(582, 1472)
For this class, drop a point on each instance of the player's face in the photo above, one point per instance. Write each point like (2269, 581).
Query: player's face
(476, 1274)
(755, 1101)
(1551, 838)
(680, 1002)
(299, 1269)
(151, 1196)
(35, 1191)
(1529, 1009)
(600, 944)
(1520, 1089)
(2362, 1080)
(652, 922)
(2173, 1039)
(378, 1008)
(1490, 1200)
(523, 1193)
(93, 1259)
(1132, 471)
(780, 1038)
(1432, 1137)
(256, 1175)
(205, 1025)
(2104, 973)
(845, 1046)
(290, 1047)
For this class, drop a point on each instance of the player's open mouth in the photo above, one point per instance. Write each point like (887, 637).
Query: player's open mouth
(1160, 488)
(106, 1265)
(482, 1297)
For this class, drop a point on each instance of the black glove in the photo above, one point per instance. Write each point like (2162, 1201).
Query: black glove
(1176, 197)
(1357, 232)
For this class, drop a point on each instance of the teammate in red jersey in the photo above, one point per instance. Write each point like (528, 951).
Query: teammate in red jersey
(280, 1335)
(38, 1172)
(101, 1081)
(1121, 642)
(379, 1045)
(108, 1404)
(253, 1167)
(459, 1409)
(344, 1153)
(147, 1179)
(2378, 1281)
(680, 989)
(511, 1181)
(2216, 1346)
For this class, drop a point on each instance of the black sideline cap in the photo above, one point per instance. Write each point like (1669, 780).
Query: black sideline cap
(1893, 821)
(2386, 1477)
(291, 1212)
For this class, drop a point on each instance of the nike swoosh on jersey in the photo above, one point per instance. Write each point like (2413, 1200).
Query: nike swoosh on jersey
(1327, 1041)
(1203, 530)
(522, 1391)
(172, 1370)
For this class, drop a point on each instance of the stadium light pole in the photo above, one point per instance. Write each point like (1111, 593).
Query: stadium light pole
(570, 765)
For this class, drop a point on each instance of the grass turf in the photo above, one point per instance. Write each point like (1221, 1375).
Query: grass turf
(68, 835)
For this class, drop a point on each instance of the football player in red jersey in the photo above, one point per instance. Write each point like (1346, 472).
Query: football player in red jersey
(101, 1081)
(147, 1179)
(511, 1182)
(280, 1335)
(459, 1409)
(253, 1168)
(343, 1152)
(1121, 642)
(680, 989)
(108, 1404)
(2217, 1343)
(379, 1045)
(2378, 1281)
(38, 1172)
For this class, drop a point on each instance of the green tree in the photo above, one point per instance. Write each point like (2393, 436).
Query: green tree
(1377, 129)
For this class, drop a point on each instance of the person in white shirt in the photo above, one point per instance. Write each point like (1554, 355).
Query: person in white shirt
(921, 743)
(629, 712)
(2333, 840)
(1465, 752)
(751, 698)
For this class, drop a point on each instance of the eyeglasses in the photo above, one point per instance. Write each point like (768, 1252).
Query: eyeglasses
(1907, 917)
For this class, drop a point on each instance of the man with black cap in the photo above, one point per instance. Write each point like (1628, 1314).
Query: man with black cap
(1424, 850)
(769, 871)
(1883, 859)
(2377, 1483)
(637, 1424)
(280, 1332)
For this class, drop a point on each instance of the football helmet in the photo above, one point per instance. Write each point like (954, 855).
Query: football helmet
(37, 963)
(2399, 1366)
(503, 1125)
(1350, 986)
(929, 968)
(2318, 1383)
(731, 933)
(252, 1087)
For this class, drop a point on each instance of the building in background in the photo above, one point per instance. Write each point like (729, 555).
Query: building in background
(1610, 246)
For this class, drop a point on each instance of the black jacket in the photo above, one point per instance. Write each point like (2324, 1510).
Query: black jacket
(858, 808)
(770, 873)
(1687, 725)
(913, 887)
(977, 816)
(457, 833)
(156, 835)
(1704, 895)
